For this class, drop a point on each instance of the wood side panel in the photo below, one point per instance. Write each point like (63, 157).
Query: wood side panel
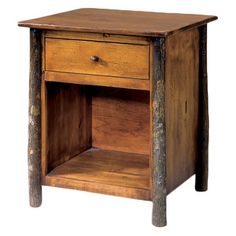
(68, 122)
(113, 59)
(182, 63)
(107, 81)
(43, 128)
(150, 120)
(43, 113)
(120, 120)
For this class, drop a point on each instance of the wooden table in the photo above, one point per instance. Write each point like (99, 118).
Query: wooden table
(118, 103)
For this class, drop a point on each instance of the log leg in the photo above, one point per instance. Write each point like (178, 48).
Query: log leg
(34, 142)
(158, 134)
(203, 130)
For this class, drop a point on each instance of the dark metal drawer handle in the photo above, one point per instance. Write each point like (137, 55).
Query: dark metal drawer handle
(94, 58)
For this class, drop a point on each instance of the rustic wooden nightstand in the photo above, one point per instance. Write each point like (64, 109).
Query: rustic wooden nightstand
(118, 103)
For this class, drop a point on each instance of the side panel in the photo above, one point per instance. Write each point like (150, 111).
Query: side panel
(68, 122)
(181, 81)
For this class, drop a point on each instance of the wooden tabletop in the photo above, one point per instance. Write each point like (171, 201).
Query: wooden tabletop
(119, 22)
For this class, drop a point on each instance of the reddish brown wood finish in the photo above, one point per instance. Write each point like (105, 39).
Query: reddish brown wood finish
(181, 88)
(97, 58)
(120, 120)
(119, 22)
(68, 122)
(123, 103)
(107, 81)
(110, 172)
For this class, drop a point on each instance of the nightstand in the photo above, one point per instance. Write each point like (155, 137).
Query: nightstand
(118, 103)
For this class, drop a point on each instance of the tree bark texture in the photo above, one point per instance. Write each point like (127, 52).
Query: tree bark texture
(34, 142)
(159, 134)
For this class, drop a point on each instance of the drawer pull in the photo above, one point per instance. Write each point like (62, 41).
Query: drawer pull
(94, 58)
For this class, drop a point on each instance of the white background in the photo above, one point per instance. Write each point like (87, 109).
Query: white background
(70, 212)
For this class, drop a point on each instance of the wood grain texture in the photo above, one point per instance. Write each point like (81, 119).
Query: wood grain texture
(182, 63)
(98, 37)
(158, 134)
(114, 59)
(120, 120)
(44, 164)
(107, 81)
(103, 171)
(34, 141)
(68, 122)
(119, 22)
(203, 129)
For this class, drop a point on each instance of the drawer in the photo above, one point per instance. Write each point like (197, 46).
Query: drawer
(97, 58)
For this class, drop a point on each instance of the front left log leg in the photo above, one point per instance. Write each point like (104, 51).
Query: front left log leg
(34, 142)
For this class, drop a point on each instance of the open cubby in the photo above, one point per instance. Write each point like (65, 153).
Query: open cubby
(98, 139)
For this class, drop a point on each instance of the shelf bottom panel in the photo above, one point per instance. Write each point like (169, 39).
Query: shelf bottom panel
(104, 171)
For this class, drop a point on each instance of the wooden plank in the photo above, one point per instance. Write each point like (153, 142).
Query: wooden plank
(119, 22)
(182, 63)
(97, 37)
(121, 191)
(68, 122)
(120, 120)
(203, 128)
(106, 81)
(103, 171)
(34, 141)
(158, 134)
(113, 59)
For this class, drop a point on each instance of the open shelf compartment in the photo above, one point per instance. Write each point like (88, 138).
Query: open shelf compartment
(97, 139)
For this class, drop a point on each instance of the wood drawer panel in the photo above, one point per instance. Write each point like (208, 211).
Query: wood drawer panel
(115, 59)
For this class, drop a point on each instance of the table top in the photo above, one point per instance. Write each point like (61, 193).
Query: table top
(119, 22)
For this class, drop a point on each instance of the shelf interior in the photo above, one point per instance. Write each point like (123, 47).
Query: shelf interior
(106, 167)
(97, 139)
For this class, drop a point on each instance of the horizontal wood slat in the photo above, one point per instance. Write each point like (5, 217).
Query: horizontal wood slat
(107, 81)
(105, 37)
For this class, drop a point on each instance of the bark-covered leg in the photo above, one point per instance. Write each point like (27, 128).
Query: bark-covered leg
(159, 135)
(203, 130)
(34, 142)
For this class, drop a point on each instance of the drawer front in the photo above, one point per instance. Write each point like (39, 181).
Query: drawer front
(97, 58)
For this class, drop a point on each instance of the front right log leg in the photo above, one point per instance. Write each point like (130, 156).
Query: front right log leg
(159, 135)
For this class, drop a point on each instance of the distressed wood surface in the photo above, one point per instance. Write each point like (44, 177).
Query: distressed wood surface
(107, 81)
(105, 171)
(159, 135)
(119, 22)
(120, 120)
(34, 142)
(69, 122)
(113, 59)
(203, 136)
(105, 37)
(181, 104)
